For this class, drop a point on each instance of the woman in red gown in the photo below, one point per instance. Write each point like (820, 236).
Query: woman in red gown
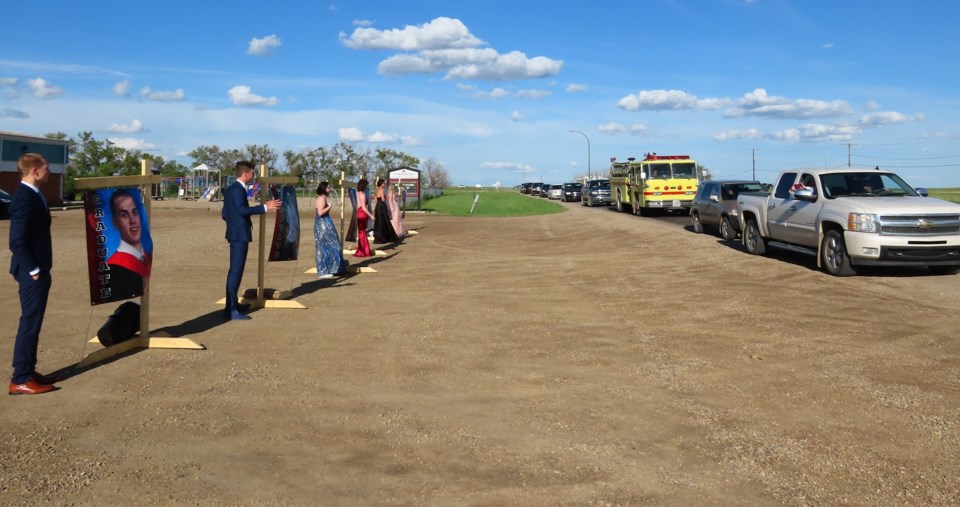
(363, 215)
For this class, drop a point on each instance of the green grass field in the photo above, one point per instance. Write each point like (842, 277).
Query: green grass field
(492, 203)
(947, 194)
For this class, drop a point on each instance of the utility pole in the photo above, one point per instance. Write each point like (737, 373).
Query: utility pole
(589, 176)
(753, 152)
(849, 164)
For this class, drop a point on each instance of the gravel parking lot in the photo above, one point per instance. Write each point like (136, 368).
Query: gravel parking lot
(585, 357)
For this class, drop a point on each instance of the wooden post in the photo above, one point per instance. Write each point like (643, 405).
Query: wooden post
(261, 262)
(145, 166)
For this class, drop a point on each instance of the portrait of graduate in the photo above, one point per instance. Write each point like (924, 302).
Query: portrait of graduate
(131, 258)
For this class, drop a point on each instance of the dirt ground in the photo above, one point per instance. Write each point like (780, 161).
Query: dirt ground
(580, 358)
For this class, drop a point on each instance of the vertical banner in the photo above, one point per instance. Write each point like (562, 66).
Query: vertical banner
(286, 232)
(352, 231)
(119, 246)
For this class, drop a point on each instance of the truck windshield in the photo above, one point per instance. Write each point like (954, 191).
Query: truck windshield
(865, 184)
(684, 170)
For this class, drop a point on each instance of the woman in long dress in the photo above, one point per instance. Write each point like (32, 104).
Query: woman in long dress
(363, 216)
(382, 230)
(395, 213)
(329, 251)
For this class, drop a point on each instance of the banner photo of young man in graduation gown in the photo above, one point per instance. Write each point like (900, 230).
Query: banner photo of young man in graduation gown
(119, 246)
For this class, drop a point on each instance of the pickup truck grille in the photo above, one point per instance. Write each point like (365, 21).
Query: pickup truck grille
(919, 225)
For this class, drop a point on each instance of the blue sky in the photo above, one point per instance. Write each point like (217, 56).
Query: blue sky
(493, 88)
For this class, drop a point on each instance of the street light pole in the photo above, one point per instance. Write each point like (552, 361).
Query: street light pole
(589, 175)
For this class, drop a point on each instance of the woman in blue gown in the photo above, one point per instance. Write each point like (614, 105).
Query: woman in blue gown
(329, 250)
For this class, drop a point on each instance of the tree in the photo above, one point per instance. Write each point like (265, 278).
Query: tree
(90, 157)
(215, 158)
(704, 173)
(259, 154)
(435, 174)
(387, 159)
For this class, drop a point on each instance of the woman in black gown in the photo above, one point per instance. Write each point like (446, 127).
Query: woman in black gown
(382, 228)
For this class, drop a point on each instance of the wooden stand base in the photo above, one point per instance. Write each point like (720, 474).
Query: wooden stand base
(135, 343)
(283, 302)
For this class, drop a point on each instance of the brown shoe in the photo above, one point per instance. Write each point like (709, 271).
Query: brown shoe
(29, 387)
(44, 380)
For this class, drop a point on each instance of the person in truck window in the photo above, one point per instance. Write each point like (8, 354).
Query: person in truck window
(806, 181)
(862, 183)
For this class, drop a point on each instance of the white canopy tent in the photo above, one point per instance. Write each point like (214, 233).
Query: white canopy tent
(204, 182)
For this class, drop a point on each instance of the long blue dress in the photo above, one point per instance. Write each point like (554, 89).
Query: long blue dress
(329, 251)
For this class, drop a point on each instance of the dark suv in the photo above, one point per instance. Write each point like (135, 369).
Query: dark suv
(596, 192)
(715, 205)
(571, 192)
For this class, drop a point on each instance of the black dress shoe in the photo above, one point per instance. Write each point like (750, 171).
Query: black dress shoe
(235, 315)
(44, 380)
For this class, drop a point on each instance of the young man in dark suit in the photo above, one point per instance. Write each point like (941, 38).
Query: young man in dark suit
(236, 213)
(30, 265)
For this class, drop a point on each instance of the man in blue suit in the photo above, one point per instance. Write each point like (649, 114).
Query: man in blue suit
(30, 265)
(237, 212)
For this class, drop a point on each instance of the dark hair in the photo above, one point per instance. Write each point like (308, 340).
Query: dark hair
(117, 194)
(322, 188)
(380, 182)
(362, 185)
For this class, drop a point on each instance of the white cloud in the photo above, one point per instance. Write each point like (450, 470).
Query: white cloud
(355, 135)
(42, 89)
(9, 112)
(134, 127)
(440, 33)
(466, 87)
(8, 81)
(617, 128)
(162, 96)
(533, 94)
(264, 46)
(668, 100)
(575, 88)
(496, 93)
(816, 132)
(738, 134)
(129, 143)
(513, 65)
(758, 103)
(362, 22)
(871, 105)
(888, 118)
(241, 95)
(122, 88)
(828, 45)
(516, 116)
(350, 134)
(509, 166)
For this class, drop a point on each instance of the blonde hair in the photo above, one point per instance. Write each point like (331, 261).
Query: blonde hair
(28, 162)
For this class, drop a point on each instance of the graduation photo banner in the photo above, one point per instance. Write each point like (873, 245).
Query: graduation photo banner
(286, 233)
(119, 246)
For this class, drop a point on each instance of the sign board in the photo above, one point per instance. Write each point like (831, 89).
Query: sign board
(406, 179)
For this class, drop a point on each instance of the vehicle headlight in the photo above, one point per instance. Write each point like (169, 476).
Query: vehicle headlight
(862, 222)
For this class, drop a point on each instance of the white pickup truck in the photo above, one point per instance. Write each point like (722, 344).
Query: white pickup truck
(850, 218)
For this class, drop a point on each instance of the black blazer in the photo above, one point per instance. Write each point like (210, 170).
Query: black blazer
(29, 232)
(236, 212)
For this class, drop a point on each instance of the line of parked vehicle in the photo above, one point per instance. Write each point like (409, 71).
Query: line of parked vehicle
(590, 193)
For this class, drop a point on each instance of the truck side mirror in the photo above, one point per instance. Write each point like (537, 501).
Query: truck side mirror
(922, 191)
(805, 194)
(714, 198)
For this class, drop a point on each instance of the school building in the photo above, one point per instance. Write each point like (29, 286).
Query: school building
(13, 145)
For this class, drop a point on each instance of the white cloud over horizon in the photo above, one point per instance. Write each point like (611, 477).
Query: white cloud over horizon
(162, 96)
(132, 128)
(264, 46)
(242, 95)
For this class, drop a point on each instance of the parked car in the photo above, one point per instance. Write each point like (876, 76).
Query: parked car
(596, 193)
(544, 189)
(535, 189)
(527, 188)
(715, 206)
(571, 192)
(555, 192)
(4, 204)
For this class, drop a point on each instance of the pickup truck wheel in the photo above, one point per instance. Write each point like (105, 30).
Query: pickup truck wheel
(834, 252)
(944, 270)
(752, 240)
(697, 224)
(726, 229)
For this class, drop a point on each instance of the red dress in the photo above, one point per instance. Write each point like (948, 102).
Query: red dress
(363, 246)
